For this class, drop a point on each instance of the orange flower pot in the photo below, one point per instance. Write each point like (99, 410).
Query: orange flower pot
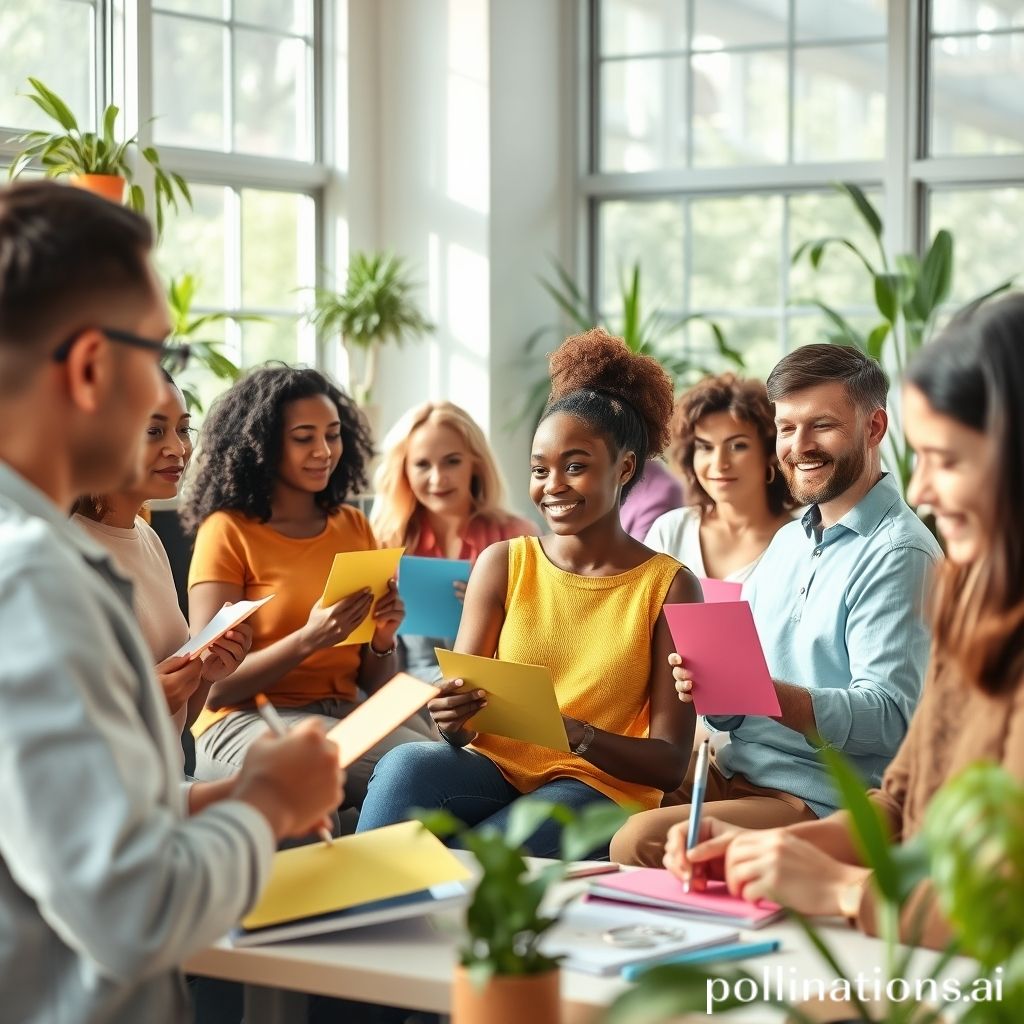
(110, 186)
(516, 999)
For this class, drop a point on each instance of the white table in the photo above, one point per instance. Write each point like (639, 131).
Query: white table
(410, 964)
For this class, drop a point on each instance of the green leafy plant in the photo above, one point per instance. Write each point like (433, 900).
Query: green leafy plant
(187, 327)
(643, 332)
(972, 848)
(376, 307)
(908, 293)
(72, 151)
(505, 922)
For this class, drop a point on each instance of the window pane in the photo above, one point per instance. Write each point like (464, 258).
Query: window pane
(739, 102)
(651, 233)
(207, 8)
(815, 329)
(274, 339)
(642, 26)
(985, 224)
(272, 249)
(755, 338)
(736, 252)
(271, 95)
(840, 103)
(29, 31)
(193, 243)
(841, 279)
(718, 23)
(977, 100)
(188, 86)
(976, 15)
(840, 19)
(285, 15)
(643, 114)
(197, 378)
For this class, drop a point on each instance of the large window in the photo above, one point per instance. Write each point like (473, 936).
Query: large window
(719, 126)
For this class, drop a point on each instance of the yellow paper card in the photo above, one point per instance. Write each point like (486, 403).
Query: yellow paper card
(521, 701)
(379, 715)
(376, 865)
(354, 570)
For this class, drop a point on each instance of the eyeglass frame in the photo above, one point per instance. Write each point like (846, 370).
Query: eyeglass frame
(176, 355)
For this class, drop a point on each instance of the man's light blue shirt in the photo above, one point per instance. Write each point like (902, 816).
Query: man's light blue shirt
(840, 612)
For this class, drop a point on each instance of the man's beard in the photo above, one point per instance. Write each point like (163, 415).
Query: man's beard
(846, 469)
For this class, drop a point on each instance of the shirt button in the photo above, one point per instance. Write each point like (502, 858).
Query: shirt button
(803, 590)
(817, 551)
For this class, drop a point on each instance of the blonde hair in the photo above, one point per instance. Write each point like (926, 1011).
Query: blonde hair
(394, 514)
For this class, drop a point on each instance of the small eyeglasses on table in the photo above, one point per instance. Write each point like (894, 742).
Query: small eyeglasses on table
(641, 936)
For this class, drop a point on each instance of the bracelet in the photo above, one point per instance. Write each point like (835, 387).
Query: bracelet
(383, 654)
(588, 738)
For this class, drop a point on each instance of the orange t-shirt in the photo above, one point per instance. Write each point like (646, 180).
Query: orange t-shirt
(232, 548)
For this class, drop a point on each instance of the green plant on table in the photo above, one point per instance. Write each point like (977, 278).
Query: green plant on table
(972, 849)
(504, 921)
(375, 307)
(908, 294)
(72, 152)
(187, 327)
(643, 332)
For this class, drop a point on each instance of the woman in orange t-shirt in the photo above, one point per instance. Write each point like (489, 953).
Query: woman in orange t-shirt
(439, 494)
(278, 454)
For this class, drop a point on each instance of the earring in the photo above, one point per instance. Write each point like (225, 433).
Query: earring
(771, 473)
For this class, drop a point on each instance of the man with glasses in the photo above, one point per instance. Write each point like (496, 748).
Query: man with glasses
(111, 872)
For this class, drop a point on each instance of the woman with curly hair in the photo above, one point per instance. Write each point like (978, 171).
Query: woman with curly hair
(439, 494)
(723, 439)
(278, 454)
(555, 601)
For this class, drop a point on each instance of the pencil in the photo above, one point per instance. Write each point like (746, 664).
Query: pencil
(277, 726)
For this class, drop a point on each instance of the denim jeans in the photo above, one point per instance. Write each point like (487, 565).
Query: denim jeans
(466, 784)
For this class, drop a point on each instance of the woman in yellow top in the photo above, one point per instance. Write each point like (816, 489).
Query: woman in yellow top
(586, 601)
(279, 453)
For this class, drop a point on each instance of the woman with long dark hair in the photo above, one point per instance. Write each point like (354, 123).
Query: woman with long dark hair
(965, 420)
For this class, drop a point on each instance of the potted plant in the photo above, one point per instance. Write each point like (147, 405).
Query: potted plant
(972, 847)
(908, 294)
(94, 160)
(375, 307)
(642, 332)
(503, 977)
(185, 328)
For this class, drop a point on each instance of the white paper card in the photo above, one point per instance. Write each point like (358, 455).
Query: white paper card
(227, 618)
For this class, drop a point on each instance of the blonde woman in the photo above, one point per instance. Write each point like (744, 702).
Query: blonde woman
(439, 493)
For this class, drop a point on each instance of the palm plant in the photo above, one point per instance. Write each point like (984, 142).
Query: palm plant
(72, 152)
(909, 294)
(376, 307)
(185, 328)
(643, 332)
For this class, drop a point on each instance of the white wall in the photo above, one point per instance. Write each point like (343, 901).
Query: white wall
(460, 157)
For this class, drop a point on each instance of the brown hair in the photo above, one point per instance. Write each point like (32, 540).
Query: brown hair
(865, 381)
(65, 255)
(625, 396)
(974, 374)
(746, 400)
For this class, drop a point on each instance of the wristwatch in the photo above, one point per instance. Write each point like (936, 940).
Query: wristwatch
(588, 738)
(383, 654)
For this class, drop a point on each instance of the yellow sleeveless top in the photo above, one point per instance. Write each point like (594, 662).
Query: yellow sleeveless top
(594, 633)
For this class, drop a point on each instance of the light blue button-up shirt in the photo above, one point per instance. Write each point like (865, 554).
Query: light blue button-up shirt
(840, 612)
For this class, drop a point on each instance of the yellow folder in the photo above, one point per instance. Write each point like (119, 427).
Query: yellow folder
(353, 870)
(354, 570)
(521, 702)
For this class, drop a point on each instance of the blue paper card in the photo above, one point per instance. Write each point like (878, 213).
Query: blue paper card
(427, 588)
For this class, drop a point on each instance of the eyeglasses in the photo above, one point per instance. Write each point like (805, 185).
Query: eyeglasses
(173, 357)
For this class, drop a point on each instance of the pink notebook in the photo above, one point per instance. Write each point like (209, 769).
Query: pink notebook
(717, 591)
(655, 887)
(719, 645)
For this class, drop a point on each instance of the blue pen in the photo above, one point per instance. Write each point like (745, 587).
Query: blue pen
(700, 785)
(732, 951)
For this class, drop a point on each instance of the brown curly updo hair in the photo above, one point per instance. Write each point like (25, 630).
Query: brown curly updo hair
(625, 397)
(744, 399)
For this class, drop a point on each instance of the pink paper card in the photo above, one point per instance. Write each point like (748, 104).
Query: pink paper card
(719, 645)
(717, 591)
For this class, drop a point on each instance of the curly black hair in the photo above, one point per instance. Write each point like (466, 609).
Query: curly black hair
(625, 396)
(240, 445)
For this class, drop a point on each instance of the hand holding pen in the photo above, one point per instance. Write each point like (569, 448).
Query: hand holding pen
(700, 785)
